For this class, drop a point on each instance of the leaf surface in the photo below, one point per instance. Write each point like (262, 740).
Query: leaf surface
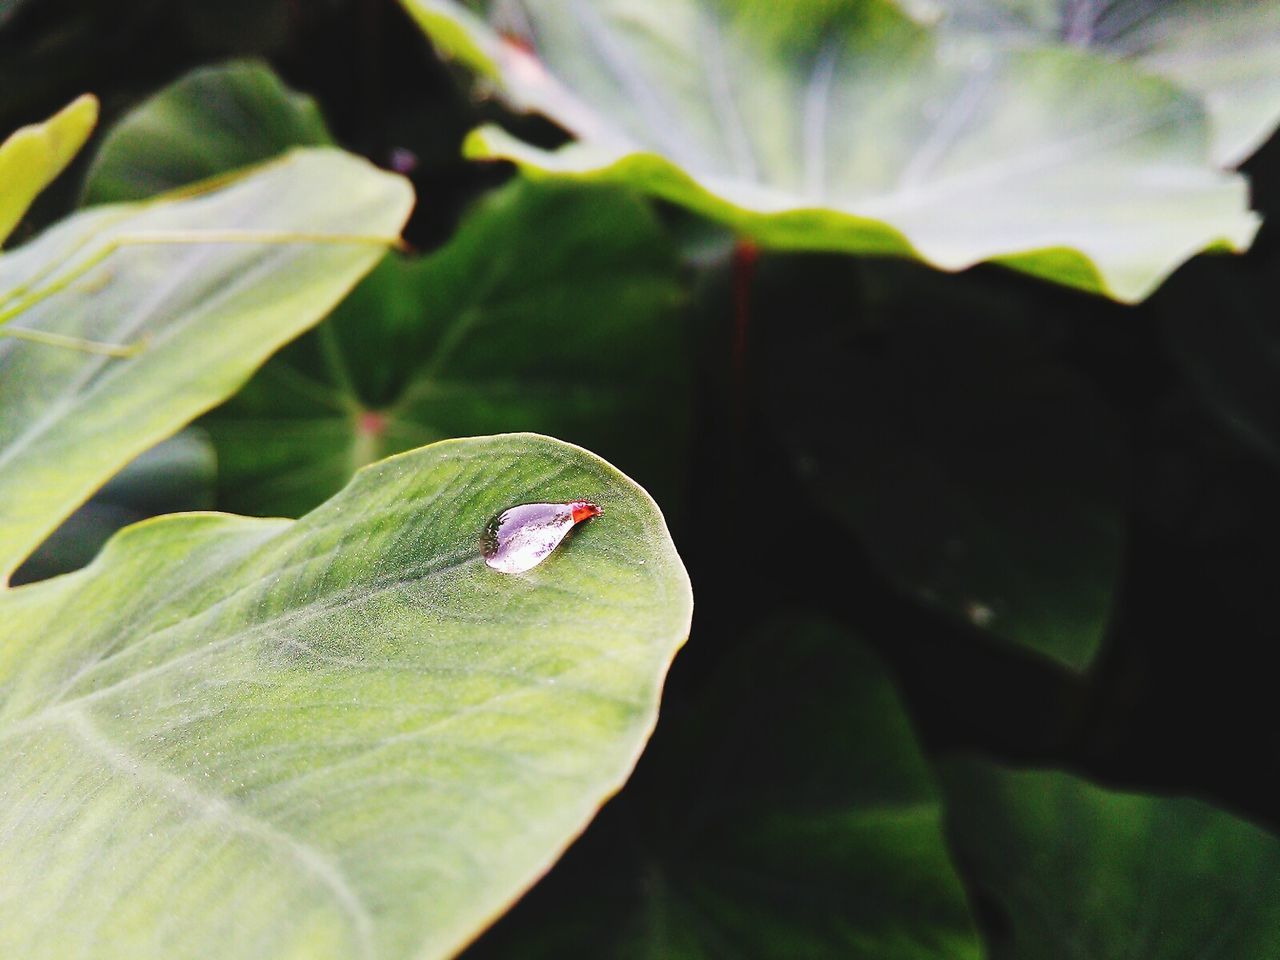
(1224, 52)
(340, 737)
(212, 121)
(1073, 870)
(31, 157)
(200, 316)
(851, 127)
(937, 417)
(793, 816)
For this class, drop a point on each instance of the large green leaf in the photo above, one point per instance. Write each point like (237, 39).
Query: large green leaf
(936, 417)
(211, 121)
(201, 317)
(31, 157)
(797, 818)
(550, 310)
(1070, 870)
(340, 737)
(849, 127)
(1226, 51)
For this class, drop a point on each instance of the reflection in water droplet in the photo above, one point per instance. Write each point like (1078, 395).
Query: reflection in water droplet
(519, 539)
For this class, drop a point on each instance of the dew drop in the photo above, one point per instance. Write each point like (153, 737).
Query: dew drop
(519, 539)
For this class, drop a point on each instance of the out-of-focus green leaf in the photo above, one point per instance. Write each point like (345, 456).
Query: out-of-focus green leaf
(31, 157)
(1233, 359)
(1071, 870)
(210, 122)
(1225, 51)
(550, 310)
(174, 476)
(199, 316)
(850, 127)
(334, 739)
(799, 819)
(979, 470)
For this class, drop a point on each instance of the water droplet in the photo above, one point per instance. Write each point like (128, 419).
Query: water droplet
(519, 539)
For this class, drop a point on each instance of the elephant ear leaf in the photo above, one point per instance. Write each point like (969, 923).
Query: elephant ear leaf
(31, 157)
(854, 128)
(1224, 51)
(340, 737)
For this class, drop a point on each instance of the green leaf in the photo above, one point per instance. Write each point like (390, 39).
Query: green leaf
(1224, 51)
(173, 476)
(1072, 870)
(32, 156)
(1233, 362)
(935, 416)
(195, 318)
(211, 121)
(849, 127)
(340, 737)
(550, 310)
(796, 818)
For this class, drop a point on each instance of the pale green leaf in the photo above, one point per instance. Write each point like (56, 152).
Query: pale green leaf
(849, 127)
(1225, 51)
(340, 737)
(199, 317)
(31, 157)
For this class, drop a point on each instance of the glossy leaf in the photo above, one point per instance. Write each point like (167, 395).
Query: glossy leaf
(550, 309)
(936, 417)
(1072, 870)
(208, 123)
(798, 819)
(198, 318)
(340, 737)
(848, 127)
(31, 157)
(1224, 52)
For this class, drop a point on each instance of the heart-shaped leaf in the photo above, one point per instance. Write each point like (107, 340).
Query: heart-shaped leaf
(851, 127)
(796, 818)
(340, 737)
(195, 318)
(551, 309)
(1071, 870)
(1225, 51)
(937, 418)
(211, 121)
(31, 157)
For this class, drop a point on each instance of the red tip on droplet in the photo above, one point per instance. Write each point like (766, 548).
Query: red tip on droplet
(584, 510)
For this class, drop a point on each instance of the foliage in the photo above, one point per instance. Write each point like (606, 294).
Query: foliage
(984, 561)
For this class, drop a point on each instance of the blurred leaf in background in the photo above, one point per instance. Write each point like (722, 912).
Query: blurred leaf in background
(935, 416)
(551, 309)
(851, 127)
(1067, 869)
(174, 476)
(794, 816)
